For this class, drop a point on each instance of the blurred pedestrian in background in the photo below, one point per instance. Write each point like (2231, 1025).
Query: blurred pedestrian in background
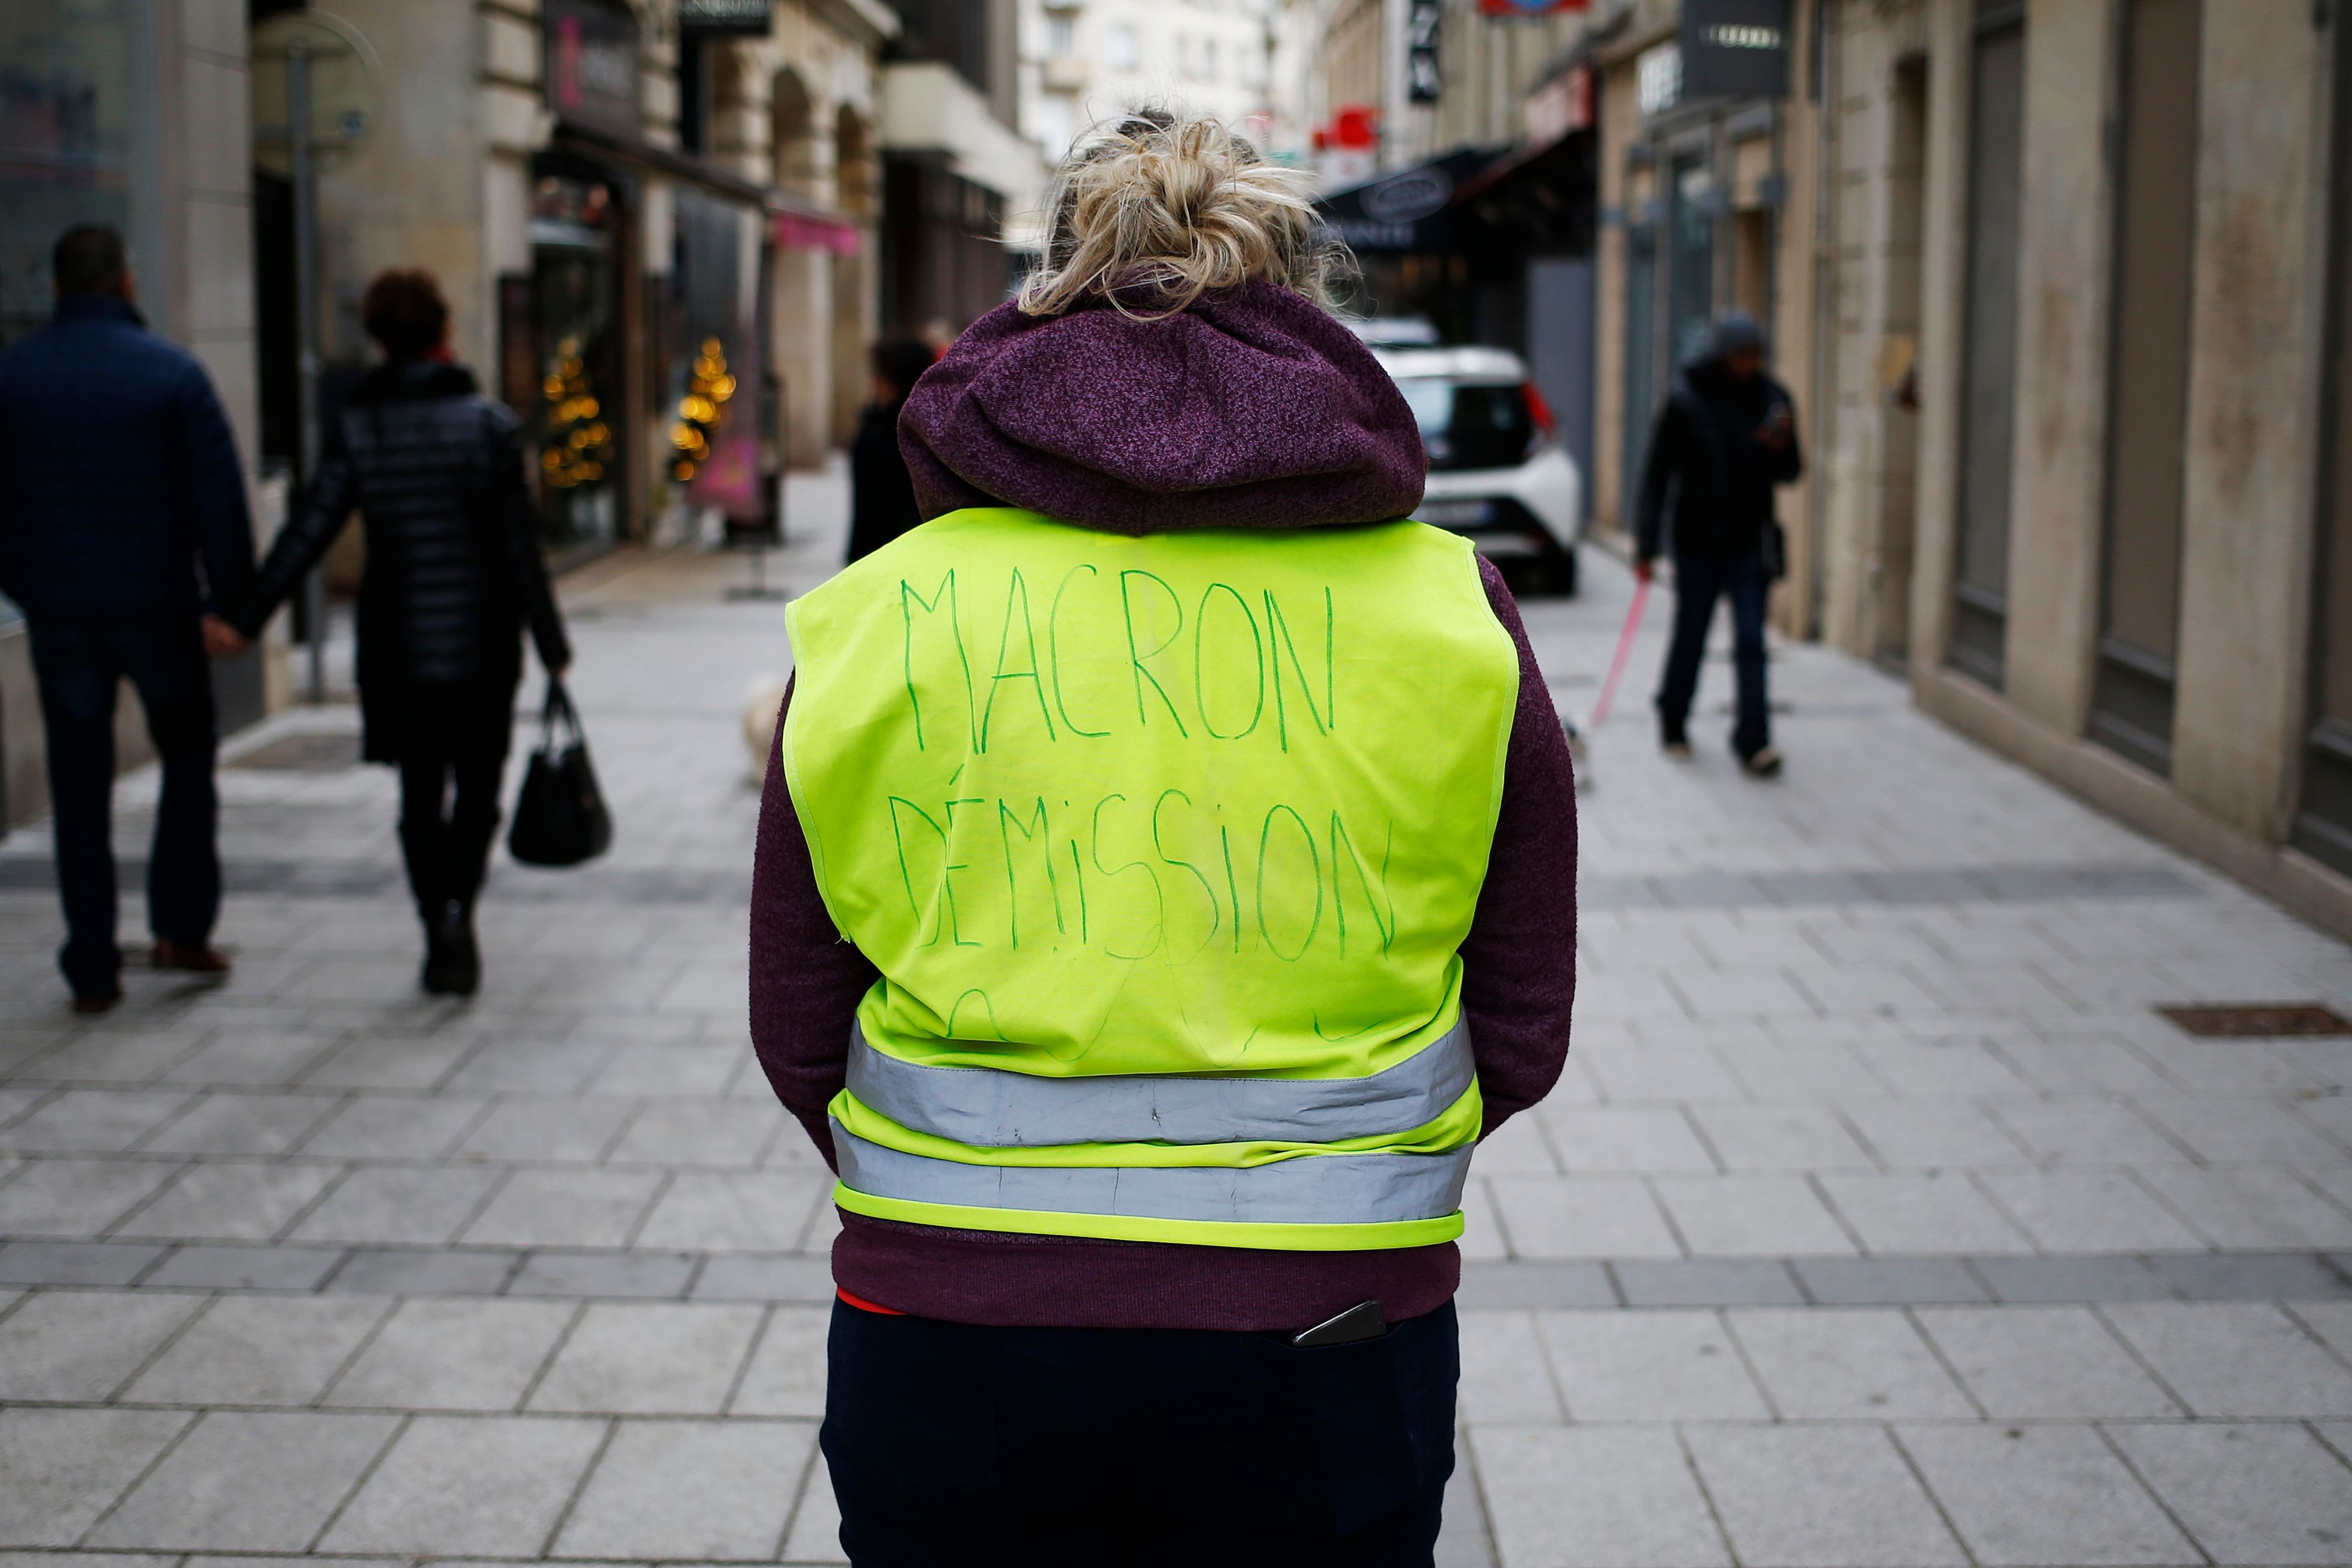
(1149, 1204)
(1726, 437)
(881, 496)
(123, 526)
(453, 575)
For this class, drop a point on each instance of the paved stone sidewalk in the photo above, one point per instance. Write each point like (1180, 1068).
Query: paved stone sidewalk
(1878, 1221)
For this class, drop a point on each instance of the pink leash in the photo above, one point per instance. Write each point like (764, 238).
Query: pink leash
(1625, 651)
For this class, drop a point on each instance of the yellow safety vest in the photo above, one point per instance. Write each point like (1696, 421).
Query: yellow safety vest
(1165, 848)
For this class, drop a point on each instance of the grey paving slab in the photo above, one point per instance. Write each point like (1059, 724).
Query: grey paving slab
(578, 1274)
(92, 1121)
(1752, 1216)
(407, 1271)
(691, 1490)
(2022, 1496)
(2229, 1360)
(2252, 1207)
(376, 1128)
(566, 1208)
(1884, 1281)
(2239, 1276)
(1606, 1139)
(537, 1129)
(1782, 1137)
(1921, 1212)
(1571, 1498)
(2030, 1279)
(65, 1467)
(79, 1346)
(259, 1349)
(1706, 1282)
(787, 1372)
(700, 1131)
(419, 1205)
(257, 1059)
(214, 1267)
(394, 1062)
(741, 1276)
(243, 1482)
(457, 1486)
(1581, 1218)
(1846, 1363)
(71, 1198)
(652, 1358)
(229, 1201)
(231, 1124)
(2043, 1363)
(2250, 1494)
(454, 1355)
(735, 1211)
(75, 1262)
(2088, 1210)
(815, 1535)
(1820, 1497)
(1649, 1366)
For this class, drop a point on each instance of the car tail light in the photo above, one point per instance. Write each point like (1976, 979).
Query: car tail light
(1539, 410)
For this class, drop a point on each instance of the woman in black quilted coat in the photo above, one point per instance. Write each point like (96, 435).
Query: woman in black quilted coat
(454, 574)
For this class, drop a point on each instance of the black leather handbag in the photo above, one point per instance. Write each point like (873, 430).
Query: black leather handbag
(560, 819)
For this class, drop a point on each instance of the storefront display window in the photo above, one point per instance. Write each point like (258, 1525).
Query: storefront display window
(715, 433)
(575, 335)
(75, 140)
(76, 144)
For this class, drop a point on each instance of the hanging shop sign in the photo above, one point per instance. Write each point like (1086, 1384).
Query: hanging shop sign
(1735, 48)
(1423, 24)
(592, 63)
(727, 18)
(1658, 78)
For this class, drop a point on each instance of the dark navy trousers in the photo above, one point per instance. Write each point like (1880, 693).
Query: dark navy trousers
(80, 663)
(1143, 1448)
(1699, 582)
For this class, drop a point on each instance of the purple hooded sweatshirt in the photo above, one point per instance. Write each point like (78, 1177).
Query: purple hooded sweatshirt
(1248, 409)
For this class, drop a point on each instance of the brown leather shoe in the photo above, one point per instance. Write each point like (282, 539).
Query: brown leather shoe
(97, 1001)
(193, 958)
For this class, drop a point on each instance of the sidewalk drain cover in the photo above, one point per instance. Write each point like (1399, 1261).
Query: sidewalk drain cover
(2259, 1018)
(310, 752)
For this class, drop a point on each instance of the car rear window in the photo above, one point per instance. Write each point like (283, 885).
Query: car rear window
(1466, 427)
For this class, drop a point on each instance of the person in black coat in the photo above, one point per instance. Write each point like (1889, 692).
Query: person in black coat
(453, 576)
(123, 526)
(881, 495)
(1726, 437)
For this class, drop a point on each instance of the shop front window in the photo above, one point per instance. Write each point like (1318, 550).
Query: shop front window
(75, 145)
(575, 306)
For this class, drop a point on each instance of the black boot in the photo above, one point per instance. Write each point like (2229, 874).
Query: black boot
(453, 962)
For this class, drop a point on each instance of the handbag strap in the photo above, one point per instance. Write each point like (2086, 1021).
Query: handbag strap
(557, 713)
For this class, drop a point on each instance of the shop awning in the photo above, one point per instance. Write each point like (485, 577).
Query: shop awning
(1539, 197)
(1406, 211)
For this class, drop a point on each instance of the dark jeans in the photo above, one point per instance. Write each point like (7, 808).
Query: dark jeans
(1140, 1447)
(1699, 581)
(448, 819)
(80, 665)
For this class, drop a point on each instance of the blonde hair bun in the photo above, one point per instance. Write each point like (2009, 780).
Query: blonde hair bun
(1158, 207)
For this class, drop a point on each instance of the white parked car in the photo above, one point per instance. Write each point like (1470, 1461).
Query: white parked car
(1498, 473)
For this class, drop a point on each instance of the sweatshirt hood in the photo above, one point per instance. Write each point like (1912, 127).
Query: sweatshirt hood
(1252, 409)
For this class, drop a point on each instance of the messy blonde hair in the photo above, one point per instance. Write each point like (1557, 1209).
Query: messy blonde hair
(1159, 207)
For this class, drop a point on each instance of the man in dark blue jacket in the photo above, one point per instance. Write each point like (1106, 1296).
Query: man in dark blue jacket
(122, 522)
(1726, 437)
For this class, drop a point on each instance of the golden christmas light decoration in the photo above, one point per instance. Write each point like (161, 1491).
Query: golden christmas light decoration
(578, 443)
(699, 411)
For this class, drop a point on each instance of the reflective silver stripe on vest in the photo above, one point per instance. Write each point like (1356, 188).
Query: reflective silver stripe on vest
(991, 1108)
(1307, 1189)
